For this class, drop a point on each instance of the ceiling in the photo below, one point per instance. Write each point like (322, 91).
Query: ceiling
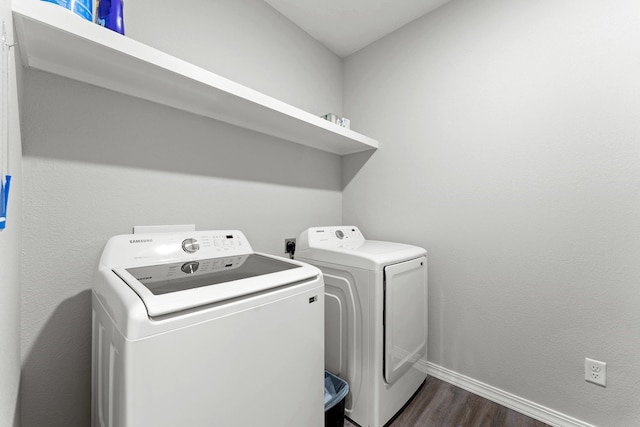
(346, 26)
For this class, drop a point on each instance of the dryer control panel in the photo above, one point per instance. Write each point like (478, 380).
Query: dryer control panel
(332, 236)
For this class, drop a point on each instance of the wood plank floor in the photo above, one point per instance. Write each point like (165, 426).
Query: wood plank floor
(440, 404)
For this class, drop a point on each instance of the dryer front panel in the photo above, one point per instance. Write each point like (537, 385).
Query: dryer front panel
(405, 316)
(345, 336)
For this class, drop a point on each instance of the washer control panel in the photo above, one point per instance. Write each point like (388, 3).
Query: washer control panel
(187, 246)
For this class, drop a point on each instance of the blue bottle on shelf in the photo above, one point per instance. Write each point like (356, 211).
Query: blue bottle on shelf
(110, 14)
(83, 8)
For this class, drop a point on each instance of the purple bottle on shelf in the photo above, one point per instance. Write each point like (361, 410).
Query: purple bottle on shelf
(110, 14)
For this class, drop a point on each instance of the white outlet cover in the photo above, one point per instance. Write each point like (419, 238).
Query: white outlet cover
(595, 371)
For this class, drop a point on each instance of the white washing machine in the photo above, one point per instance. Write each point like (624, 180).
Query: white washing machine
(375, 317)
(195, 329)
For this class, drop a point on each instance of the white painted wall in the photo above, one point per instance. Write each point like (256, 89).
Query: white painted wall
(246, 41)
(96, 163)
(10, 249)
(510, 145)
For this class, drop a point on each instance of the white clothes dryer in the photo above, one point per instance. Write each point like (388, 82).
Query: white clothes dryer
(375, 317)
(195, 329)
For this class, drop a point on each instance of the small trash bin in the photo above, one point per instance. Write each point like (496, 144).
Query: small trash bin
(335, 393)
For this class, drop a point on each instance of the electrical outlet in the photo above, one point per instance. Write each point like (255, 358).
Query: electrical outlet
(289, 246)
(595, 371)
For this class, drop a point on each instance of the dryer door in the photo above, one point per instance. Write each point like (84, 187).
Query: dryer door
(405, 316)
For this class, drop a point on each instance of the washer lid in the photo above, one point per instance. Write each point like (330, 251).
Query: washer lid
(172, 287)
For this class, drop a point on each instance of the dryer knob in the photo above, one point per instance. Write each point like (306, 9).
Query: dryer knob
(190, 245)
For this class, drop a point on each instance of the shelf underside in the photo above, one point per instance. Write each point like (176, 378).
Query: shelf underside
(53, 40)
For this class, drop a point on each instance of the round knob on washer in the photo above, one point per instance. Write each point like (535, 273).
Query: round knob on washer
(190, 245)
(190, 267)
(339, 234)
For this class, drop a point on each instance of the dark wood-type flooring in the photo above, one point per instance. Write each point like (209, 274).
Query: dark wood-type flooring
(440, 404)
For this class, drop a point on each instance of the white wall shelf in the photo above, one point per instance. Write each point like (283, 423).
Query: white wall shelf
(55, 40)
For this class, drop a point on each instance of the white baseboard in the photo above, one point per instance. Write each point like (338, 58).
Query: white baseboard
(501, 397)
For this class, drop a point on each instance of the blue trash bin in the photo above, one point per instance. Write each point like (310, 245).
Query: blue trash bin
(335, 393)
